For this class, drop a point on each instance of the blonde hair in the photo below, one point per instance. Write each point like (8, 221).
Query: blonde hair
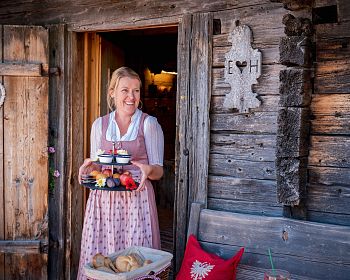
(113, 84)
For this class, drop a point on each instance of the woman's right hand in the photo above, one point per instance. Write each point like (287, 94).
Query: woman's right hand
(87, 167)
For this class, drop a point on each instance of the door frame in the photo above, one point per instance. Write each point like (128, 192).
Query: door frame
(192, 143)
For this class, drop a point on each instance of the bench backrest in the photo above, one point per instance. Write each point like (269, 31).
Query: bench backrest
(304, 248)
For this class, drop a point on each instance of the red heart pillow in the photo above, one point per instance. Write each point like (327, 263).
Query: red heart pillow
(201, 265)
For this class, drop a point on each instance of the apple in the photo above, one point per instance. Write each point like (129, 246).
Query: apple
(123, 178)
(107, 172)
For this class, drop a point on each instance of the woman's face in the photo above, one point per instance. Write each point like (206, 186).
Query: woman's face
(126, 96)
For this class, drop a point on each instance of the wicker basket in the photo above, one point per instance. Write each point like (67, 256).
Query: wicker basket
(161, 275)
(158, 270)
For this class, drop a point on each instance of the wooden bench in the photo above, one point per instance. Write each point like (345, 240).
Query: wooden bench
(308, 250)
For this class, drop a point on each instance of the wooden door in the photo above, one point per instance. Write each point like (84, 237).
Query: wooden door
(23, 153)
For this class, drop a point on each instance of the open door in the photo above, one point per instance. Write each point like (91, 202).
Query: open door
(23, 153)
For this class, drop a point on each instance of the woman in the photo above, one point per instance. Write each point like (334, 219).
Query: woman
(117, 220)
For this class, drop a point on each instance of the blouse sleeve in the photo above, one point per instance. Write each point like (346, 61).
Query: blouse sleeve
(95, 137)
(154, 140)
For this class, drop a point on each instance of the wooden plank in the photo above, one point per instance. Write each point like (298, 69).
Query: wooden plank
(246, 269)
(183, 137)
(21, 70)
(2, 209)
(200, 92)
(228, 165)
(59, 127)
(328, 176)
(330, 114)
(254, 123)
(328, 203)
(268, 82)
(231, 188)
(112, 15)
(332, 76)
(194, 219)
(329, 218)
(329, 151)
(20, 246)
(247, 207)
(270, 54)
(269, 103)
(75, 194)
(332, 30)
(244, 146)
(264, 19)
(330, 104)
(333, 49)
(291, 242)
(25, 154)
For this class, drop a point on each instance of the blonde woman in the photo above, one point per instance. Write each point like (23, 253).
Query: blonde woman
(116, 220)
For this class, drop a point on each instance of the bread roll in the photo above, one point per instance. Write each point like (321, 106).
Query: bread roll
(98, 260)
(126, 263)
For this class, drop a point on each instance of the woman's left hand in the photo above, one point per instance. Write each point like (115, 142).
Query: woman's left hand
(146, 170)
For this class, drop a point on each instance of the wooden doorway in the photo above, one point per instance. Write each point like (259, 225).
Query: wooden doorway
(143, 51)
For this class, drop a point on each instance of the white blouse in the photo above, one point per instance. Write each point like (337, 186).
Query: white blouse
(154, 138)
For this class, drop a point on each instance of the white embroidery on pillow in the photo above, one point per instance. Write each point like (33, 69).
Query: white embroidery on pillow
(200, 270)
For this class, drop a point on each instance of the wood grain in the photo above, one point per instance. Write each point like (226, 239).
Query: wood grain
(329, 151)
(200, 92)
(183, 137)
(228, 165)
(291, 242)
(26, 135)
(81, 15)
(75, 194)
(244, 146)
(22, 70)
(254, 123)
(58, 128)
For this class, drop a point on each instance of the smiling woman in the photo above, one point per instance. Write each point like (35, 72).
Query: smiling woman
(129, 218)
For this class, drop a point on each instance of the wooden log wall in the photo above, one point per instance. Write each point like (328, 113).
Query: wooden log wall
(242, 175)
(329, 164)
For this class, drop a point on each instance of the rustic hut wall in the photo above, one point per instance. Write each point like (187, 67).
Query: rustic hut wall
(242, 174)
(329, 164)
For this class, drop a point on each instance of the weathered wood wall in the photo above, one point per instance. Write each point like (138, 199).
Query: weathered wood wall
(242, 152)
(242, 175)
(329, 164)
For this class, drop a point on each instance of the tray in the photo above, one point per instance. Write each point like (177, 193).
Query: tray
(112, 163)
(160, 261)
(92, 186)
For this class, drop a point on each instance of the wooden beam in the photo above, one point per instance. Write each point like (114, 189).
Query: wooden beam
(182, 138)
(194, 218)
(16, 69)
(22, 246)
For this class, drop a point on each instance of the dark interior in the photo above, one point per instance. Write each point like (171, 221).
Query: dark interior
(149, 52)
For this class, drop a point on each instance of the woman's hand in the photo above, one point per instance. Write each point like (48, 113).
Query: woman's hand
(86, 168)
(153, 172)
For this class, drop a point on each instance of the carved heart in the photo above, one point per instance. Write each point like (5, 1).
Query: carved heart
(241, 65)
(2, 94)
